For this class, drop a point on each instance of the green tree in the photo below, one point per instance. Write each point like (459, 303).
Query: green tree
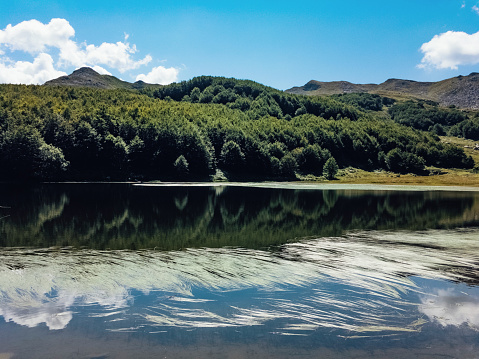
(136, 155)
(275, 166)
(232, 158)
(195, 94)
(114, 153)
(311, 159)
(404, 162)
(300, 111)
(330, 169)
(50, 162)
(181, 166)
(288, 166)
(277, 149)
(25, 155)
(19, 151)
(87, 146)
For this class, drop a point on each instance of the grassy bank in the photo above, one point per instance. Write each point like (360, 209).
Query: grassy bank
(467, 145)
(440, 177)
(437, 177)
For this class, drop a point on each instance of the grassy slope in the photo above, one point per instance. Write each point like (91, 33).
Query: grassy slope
(450, 177)
(461, 142)
(461, 91)
(442, 177)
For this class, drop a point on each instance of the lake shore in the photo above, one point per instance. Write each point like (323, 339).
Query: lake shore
(322, 185)
(442, 177)
(345, 176)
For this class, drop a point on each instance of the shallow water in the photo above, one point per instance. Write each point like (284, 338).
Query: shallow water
(107, 271)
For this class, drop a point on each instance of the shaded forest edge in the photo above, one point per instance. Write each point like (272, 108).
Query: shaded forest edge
(214, 128)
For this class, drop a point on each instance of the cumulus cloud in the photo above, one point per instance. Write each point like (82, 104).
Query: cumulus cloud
(100, 70)
(160, 75)
(24, 72)
(475, 9)
(39, 40)
(32, 36)
(450, 50)
(117, 56)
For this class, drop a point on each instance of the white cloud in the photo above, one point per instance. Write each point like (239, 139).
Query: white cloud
(160, 75)
(33, 37)
(100, 70)
(40, 39)
(476, 9)
(117, 56)
(450, 50)
(24, 72)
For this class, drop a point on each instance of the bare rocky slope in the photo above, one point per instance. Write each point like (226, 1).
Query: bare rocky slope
(461, 91)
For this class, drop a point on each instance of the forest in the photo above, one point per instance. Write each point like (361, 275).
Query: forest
(428, 116)
(213, 128)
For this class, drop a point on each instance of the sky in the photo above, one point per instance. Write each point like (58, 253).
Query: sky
(277, 43)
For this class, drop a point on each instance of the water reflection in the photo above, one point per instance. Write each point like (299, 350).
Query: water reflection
(54, 313)
(230, 268)
(450, 307)
(359, 284)
(100, 216)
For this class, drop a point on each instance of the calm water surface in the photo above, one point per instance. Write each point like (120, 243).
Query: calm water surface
(121, 271)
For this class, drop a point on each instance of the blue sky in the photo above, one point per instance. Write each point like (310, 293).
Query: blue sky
(278, 43)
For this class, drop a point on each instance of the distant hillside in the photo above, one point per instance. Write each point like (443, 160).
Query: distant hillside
(461, 91)
(87, 77)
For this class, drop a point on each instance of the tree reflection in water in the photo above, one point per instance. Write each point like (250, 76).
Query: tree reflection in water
(117, 216)
(284, 271)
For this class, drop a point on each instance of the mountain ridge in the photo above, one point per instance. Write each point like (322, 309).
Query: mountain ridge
(460, 91)
(87, 77)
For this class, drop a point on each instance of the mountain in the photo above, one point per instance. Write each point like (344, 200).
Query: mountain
(87, 77)
(461, 91)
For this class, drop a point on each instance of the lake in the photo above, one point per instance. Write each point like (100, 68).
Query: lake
(91, 270)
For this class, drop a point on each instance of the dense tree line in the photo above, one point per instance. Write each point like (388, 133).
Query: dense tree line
(80, 133)
(365, 101)
(428, 116)
(467, 129)
(255, 99)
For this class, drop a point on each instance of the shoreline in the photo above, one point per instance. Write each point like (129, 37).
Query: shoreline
(315, 186)
(346, 178)
(449, 178)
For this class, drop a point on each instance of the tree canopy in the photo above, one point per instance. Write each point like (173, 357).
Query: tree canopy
(193, 128)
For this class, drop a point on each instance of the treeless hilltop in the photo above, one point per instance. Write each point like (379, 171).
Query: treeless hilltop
(460, 91)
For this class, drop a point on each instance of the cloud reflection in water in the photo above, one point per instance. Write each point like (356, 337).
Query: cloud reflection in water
(362, 282)
(449, 307)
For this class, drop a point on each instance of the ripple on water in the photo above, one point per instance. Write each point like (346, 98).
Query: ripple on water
(364, 282)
